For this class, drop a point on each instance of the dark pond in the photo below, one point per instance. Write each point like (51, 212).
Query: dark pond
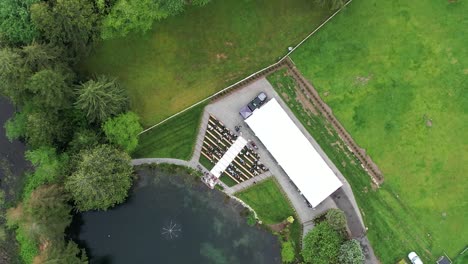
(11, 153)
(12, 162)
(207, 227)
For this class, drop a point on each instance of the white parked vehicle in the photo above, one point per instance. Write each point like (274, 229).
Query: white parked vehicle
(414, 258)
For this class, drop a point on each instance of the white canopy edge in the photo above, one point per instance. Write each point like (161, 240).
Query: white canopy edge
(294, 153)
(228, 157)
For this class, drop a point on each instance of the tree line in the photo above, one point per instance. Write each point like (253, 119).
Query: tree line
(78, 129)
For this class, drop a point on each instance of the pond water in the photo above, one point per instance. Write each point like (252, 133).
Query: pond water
(207, 226)
(11, 153)
(12, 162)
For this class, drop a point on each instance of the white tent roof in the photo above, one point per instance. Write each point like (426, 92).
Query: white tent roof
(294, 153)
(228, 157)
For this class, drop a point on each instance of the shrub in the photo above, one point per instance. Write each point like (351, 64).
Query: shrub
(28, 247)
(351, 253)
(287, 252)
(322, 244)
(337, 219)
(251, 221)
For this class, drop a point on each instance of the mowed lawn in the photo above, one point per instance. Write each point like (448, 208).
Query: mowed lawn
(395, 74)
(272, 206)
(190, 56)
(172, 139)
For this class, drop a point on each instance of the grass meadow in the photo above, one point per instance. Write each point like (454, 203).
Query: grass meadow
(395, 74)
(175, 138)
(272, 206)
(188, 57)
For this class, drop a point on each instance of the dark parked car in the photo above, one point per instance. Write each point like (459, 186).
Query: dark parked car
(258, 101)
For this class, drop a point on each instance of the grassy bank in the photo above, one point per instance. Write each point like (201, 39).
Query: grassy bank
(272, 207)
(395, 75)
(174, 139)
(394, 229)
(190, 56)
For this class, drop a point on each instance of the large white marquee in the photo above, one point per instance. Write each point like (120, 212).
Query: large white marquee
(294, 153)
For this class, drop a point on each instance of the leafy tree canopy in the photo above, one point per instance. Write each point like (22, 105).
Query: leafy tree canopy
(37, 64)
(66, 23)
(44, 215)
(49, 166)
(101, 99)
(62, 252)
(15, 127)
(123, 130)
(83, 139)
(50, 89)
(12, 75)
(15, 22)
(139, 15)
(40, 56)
(351, 253)
(102, 178)
(38, 128)
(322, 244)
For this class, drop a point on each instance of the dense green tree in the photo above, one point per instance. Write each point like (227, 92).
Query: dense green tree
(44, 215)
(101, 99)
(62, 252)
(102, 178)
(131, 15)
(287, 252)
(15, 127)
(39, 56)
(44, 129)
(123, 131)
(15, 21)
(50, 90)
(68, 23)
(139, 15)
(39, 128)
(337, 219)
(172, 7)
(322, 244)
(12, 75)
(332, 4)
(200, 2)
(83, 139)
(49, 212)
(49, 167)
(351, 253)
(40, 219)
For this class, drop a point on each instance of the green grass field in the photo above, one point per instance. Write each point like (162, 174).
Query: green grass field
(190, 56)
(272, 207)
(173, 139)
(395, 74)
(205, 162)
